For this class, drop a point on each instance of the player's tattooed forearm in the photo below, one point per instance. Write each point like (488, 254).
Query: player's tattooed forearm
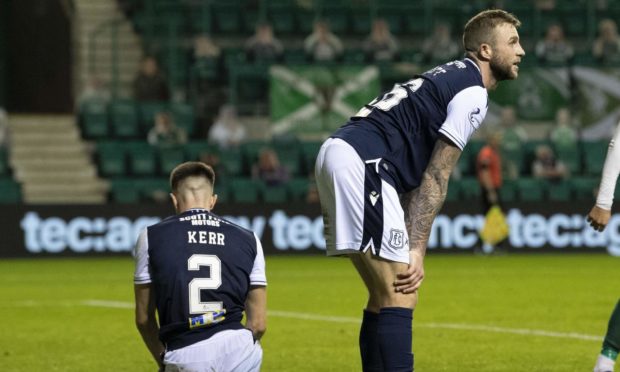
(422, 205)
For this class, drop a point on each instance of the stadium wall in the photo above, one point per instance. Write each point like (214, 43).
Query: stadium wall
(60, 231)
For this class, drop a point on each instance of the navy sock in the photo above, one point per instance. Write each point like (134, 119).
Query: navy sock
(395, 339)
(369, 343)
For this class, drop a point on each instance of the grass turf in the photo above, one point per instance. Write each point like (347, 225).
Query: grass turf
(474, 314)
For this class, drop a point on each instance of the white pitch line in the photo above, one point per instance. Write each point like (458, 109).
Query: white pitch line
(352, 320)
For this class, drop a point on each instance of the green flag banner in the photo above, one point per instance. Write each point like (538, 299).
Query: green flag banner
(318, 99)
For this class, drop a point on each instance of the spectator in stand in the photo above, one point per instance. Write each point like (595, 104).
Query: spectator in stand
(554, 49)
(440, 46)
(227, 131)
(263, 46)
(513, 139)
(213, 159)
(380, 44)
(322, 45)
(94, 90)
(489, 170)
(269, 169)
(606, 47)
(205, 47)
(546, 166)
(563, 135)
(150, 85)
(165, 134)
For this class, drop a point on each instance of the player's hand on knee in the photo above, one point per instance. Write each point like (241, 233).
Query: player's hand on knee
(410, 280)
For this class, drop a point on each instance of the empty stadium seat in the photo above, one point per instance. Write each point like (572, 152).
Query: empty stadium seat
(168, 159)
(153, 188)
(274, 194)
(94, 118)
(559, 190)
(584, 187)
(147, 112)
(111, 158)
(298, 188)
(470, 188)
(124, 190)
(232, 161)
(124, 119)
(245, 190)
(531, 189)
(183, 115)
(226, 15)
(594, 153)
(142, 160)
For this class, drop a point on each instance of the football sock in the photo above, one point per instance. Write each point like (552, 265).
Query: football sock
(369, 343)
(611, 344)
(395, 339)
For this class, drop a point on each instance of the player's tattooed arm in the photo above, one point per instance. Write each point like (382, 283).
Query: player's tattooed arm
(422, 205)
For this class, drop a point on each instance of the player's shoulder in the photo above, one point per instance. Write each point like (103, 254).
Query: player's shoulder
(233, 227)
(459, 74)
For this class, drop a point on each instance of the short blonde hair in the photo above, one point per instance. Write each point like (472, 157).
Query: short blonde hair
(479, 29)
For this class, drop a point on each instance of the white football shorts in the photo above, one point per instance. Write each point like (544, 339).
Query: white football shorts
(360, 210)
(226, 351)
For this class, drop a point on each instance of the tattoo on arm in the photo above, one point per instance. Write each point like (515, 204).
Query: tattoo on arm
(422, 204)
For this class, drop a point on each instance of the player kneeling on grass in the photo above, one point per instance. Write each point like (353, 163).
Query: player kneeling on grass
(401, 148)
(200, 272)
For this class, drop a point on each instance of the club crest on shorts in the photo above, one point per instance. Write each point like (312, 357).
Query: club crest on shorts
(397, 238)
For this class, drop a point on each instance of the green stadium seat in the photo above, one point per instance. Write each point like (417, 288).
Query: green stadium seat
(194, 149)
(206, 68)
(281, 17)
(226, 15)
(295, 56)
(470, 188)
(142, 159)
(249, 20)
(147, 112)
(111, 158)
(309, 152)
(354, 57)
(10, 191)
(594, 153)
(531, 189)
(124, 190)
(290, 155)
(571, 157)
(337, 16)
(232, 161)
(454, 191)
(274, 194)
(305, 21)
(245, 190)
(94, 117)
(360, 21)
(559, 190)
(124, 119)
(508, 191)
(298, 188)
(153, 188)
(168, 159)
(183, 115)
(584, 187)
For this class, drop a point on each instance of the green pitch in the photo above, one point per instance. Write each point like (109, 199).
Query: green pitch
(505, 313)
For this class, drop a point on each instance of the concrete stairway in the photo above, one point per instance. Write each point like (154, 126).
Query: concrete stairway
(52, 162)
(92, 15)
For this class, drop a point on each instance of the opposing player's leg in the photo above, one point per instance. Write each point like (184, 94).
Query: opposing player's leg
(611, 345)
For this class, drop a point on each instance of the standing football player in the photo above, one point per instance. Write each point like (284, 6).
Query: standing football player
(598, 218)
(200, 272)
(383, 177)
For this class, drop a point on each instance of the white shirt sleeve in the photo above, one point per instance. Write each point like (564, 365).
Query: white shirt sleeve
(611, 169)
(257, 276)
(142, 274)
(466, 112)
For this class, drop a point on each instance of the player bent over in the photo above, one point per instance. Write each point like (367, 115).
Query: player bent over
(598, 218)
(200, 272)
(383, 177)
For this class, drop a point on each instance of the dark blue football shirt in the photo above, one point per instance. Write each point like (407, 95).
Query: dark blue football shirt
(400, 128)
(199, 265)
